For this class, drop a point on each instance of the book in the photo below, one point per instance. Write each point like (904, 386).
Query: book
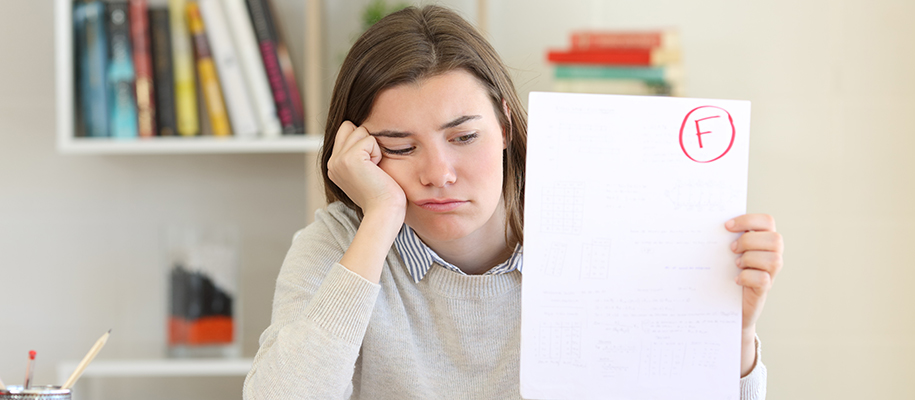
(206, 71)
(593, 40)
(253, 67)
(228, 67)
(282, 53)
(265, 31)
(183, 70)
(92, 59)
(142, 61)
(620, 56)
(658, 75)
(200, 311)
(163, 80)
(122, 106)
(78, 21)
(634, 87)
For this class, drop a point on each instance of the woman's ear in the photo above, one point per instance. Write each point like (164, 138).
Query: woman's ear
(508, 116)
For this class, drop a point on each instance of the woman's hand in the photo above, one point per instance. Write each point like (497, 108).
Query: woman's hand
(353, 166)
(760, 249)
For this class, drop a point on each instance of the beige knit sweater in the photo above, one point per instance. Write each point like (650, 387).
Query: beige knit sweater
(335, 335)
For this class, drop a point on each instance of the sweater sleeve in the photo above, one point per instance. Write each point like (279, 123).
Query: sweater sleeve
(753, 386)
(320, 313)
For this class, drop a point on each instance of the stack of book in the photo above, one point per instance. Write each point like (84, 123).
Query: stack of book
(195, 67)
(619, 62)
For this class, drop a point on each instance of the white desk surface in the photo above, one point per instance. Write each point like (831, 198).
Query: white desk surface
(158, 368)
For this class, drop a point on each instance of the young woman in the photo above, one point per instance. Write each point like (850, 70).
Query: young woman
(408, 285)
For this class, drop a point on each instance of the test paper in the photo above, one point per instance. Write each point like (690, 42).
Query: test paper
(629, 281)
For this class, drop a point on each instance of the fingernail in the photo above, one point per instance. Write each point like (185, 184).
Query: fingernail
(734, 246)
(737, 261)
(729, 224)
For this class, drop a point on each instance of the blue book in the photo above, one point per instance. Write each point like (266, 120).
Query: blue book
(92, 56)
(122, 104)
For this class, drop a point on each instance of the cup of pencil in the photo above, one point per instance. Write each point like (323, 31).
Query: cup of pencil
(34, 393)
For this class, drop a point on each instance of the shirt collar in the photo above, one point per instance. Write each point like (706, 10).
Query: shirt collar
(419, 258)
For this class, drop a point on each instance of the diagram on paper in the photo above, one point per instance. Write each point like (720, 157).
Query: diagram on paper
(595, 260)
(563, 208)
(560, 343)
(556, 259)
(701, 196)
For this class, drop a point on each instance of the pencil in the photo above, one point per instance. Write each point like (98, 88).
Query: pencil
(2, 386)
(86, 360)
(29, 370)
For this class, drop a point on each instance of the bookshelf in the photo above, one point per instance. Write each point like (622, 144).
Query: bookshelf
(68, 143)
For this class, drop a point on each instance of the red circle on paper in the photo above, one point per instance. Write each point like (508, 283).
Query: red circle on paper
(683, 127)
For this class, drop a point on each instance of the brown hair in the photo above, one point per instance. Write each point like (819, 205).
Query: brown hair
(407, 47)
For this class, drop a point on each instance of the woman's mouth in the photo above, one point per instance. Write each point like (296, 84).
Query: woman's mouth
(440, 205)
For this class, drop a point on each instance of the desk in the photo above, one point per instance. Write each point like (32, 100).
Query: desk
(156, 368)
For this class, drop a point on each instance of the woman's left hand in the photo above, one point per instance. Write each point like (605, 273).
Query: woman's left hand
(760, 248)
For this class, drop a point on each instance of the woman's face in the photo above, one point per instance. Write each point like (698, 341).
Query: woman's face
(442, 143)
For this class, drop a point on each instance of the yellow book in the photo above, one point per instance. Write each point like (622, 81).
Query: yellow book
(187, 119)
(206, 70)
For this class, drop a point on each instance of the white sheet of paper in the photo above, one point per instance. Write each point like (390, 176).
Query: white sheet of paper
(629, 288)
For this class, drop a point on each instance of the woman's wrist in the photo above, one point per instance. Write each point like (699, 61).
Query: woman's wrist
(373, 240)
(384, 217)
(747, 350)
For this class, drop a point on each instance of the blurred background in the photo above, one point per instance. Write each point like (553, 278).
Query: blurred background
(830, 83)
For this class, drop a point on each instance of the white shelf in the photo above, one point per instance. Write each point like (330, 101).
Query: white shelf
(189, 145)
(158, 368)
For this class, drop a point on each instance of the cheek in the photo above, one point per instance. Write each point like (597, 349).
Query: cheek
(489, 171)
(398, 170)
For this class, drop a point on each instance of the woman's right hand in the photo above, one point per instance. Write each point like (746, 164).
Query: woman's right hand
(353, 166)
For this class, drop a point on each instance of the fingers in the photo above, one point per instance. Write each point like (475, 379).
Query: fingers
(763, 261)
(353, 137)
(759, 281)
(767, 241)
(344, 131)
(353, 141)
(751, 222)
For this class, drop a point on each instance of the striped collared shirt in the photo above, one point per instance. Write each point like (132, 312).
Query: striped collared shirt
(419, 258)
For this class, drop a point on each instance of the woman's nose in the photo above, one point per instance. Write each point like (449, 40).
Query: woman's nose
(438, 169)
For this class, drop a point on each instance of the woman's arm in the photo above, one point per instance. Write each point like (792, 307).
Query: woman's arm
(329, 282)
(760, 250)
(320, 314)
(353, 166)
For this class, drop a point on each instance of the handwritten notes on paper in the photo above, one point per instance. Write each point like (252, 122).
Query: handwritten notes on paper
(629, 286)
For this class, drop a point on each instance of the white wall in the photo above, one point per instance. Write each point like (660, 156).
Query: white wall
(831, 133)
(830, 158)
(79, 235)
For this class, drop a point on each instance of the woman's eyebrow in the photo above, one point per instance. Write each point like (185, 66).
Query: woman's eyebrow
(391, 134)
(399, 134)
(460, 120)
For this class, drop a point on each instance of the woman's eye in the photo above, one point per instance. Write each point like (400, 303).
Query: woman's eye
(466, 138)
(397, 152)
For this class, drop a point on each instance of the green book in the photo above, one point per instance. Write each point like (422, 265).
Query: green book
(657, 75)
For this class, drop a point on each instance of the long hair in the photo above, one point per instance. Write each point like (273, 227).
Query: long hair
(414, 44)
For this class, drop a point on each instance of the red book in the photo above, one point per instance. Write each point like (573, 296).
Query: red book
(593, 40)
(267, 37)
(142, 61)
(285, 60)
(627, 57)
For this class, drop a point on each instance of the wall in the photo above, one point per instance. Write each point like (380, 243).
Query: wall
(831, 133)
(831, 139)
(80, 235)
